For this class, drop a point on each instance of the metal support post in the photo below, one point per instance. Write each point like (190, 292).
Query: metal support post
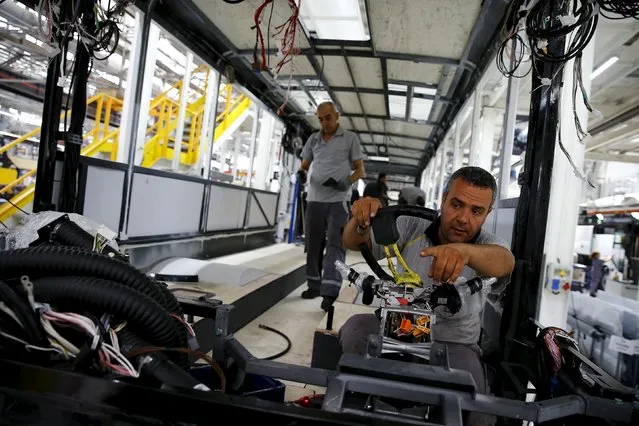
(475, 135)
(442, 170)
(43, 196)
(184, 96)
(522, 297)
(135, 116)
(457, 154)
(510, 119)
(73, 136)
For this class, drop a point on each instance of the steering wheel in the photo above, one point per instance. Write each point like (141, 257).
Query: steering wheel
(384, 226)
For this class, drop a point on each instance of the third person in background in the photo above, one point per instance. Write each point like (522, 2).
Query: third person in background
(378, 189)
(334, 161)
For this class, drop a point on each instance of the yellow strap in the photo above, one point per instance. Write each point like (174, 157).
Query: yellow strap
(408, 278)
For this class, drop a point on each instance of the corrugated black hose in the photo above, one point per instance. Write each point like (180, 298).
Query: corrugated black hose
(70, 233)
(47, 261)
(144, 315)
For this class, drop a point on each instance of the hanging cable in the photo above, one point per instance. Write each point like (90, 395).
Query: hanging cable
(619, 9)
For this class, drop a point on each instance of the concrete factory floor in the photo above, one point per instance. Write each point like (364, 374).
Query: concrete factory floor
(298, 319)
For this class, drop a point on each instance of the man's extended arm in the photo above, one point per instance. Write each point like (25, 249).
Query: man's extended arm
(487, 260)
(490, 260)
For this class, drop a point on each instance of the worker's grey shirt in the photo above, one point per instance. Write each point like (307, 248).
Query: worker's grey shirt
(417, 234)
(330, 159)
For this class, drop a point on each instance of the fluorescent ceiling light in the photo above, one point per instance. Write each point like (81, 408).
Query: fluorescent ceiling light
(397, 106)
(420, 109)
(335, 19)
(397, 87)
(603, 67)
(380, 159)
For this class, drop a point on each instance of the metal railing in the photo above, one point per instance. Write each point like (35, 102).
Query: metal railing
(103, 138)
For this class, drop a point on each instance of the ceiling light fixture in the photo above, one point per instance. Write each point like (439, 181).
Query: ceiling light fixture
(377, 158)
(603, 67)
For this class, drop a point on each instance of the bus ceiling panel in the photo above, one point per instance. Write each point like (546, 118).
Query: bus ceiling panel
(300, 67)
(335, 71)
(349, 102)
(373, 104)
(409, 129)
(439, 28)
(367, 72)
(419, 73)
(235, 21)
(400, 142)
(376, 124)
(359, 125)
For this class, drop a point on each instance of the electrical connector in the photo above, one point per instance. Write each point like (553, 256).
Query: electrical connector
(542, 44)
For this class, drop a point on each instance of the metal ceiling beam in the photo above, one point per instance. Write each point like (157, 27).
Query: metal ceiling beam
(400, 147)
(387, 92)
(339, 43)
(308, 92)
(359, 98)
(412, 83)
(409, 102)
(321, 77)
(383, 117)
(374, 167)
(397, 135)
(370, 27)
(619, 158)
(384, 66)
(398, 56)
(483, 42)
(616, 120)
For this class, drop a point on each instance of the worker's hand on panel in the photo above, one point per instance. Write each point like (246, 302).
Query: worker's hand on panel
(364, 209)
(448, 261)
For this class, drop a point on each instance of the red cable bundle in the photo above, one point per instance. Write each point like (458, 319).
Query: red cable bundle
(288, 29)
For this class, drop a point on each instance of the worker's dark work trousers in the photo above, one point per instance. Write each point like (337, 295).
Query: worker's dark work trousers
(353, 338)
(324, 221)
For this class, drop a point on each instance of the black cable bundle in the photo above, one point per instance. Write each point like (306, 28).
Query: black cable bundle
(513, 50)
(541, 29)
(620, 9)
(79, 280)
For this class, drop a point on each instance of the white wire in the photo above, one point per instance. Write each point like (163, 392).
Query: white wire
(7, 310)
(56, 336)
(29, 346)
(120, 359)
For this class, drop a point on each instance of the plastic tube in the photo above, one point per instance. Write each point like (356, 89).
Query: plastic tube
(71, 234)
(45, 261)
(100, 296)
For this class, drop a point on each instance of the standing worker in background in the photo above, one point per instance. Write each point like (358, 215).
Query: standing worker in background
(337, 163)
